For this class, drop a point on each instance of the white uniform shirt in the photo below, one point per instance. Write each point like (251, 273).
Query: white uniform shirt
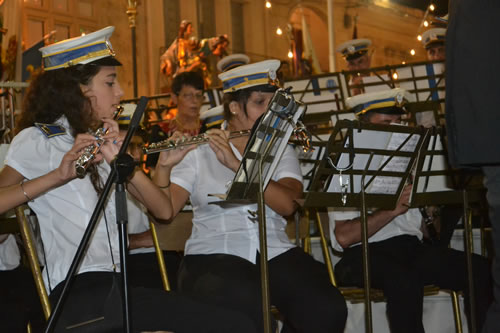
(63, 213)
(9, 254)
(406, 224)
(229, 230)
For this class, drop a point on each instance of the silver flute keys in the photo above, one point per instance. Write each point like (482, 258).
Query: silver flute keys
(90, 152)
(170, 144)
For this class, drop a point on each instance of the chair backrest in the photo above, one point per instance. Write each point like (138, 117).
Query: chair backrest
(173, 236)
(32, 254)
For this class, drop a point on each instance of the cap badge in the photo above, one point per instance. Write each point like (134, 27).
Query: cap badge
(272, 75)
(399, 98)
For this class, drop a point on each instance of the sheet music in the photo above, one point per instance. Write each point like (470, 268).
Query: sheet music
(362, 139)
(376, 140)
(390, 185)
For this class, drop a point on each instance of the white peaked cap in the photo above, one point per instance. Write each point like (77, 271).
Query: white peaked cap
(84, 49)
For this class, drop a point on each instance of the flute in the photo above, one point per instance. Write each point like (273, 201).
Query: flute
(89, 152)
(169, 144)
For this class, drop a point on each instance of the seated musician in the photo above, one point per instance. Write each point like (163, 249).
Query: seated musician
(214, 117)
(357, 54)
(433, 41)
(220, 265)
(401, 265)
(78, 91)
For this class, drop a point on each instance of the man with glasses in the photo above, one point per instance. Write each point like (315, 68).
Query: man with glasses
(187, 95)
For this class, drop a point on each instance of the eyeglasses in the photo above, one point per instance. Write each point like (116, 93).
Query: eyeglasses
(199, 96)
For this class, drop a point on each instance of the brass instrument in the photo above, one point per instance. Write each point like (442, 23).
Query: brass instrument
(170, 144)
(91, 151)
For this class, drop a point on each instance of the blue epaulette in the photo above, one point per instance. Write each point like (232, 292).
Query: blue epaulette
(51, 130)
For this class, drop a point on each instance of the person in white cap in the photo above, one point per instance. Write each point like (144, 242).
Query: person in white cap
(433, 40)
(219, 266)
(400, 263)
(78, 91)
(232, 61)
(357, 54)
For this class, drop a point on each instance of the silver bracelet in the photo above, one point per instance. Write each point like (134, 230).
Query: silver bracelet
(24, 192)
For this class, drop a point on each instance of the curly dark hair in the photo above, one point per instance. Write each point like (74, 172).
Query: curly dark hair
(57, 93)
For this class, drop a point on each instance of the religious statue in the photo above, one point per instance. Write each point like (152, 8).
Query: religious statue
(187, 53)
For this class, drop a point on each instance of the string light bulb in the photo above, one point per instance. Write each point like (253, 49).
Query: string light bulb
(432, 7)
(426, 24)
(268, 4)
(412, 52)
(395, 76)
(290, 54)
(419, 38)
(279, 32)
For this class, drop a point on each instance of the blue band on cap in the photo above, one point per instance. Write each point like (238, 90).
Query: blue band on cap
(356, 49)
(64, 59)
(377, 101)
(228, 84)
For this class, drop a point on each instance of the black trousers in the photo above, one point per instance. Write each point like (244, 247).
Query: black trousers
(96, 297)
(143, 269)
(401, 266)
(19, 302)
(299, 288)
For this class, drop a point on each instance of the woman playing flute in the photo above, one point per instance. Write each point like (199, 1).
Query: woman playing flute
(219, 266)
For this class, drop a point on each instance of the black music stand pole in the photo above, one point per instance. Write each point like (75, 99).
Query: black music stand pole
(366, 252)
(121, 218)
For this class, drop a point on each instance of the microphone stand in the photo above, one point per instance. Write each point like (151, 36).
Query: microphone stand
(121, 167)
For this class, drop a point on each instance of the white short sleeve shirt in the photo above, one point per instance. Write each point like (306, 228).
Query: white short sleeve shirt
(230, 230)
(406, 224)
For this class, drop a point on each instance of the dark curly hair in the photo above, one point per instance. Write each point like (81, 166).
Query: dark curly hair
(57, 93)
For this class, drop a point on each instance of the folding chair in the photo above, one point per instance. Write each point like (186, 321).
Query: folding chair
(31, 253)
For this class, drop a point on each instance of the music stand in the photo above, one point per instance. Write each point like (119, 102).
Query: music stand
(369, 168)
(262, 154)
(122, 166)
